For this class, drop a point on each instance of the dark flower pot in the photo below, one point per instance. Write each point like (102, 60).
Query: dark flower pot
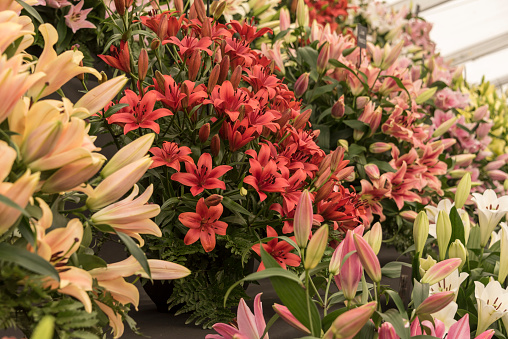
(159, 292)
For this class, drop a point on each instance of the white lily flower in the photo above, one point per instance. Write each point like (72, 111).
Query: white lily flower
(492, 303)
(495, 237)
(491, 210)
(450, 283)
(446, 315)
(503, 255)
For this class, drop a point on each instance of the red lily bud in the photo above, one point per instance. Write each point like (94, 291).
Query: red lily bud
(323, 57)
(302, 119)
(192, 13)
(224, 69)
(120, 7)
(337, 157)
(160, 81)
(338, 108)
(194, 65)
(301, 84)
(324, 191)
(185, 90)
(215, 145)
(236, 76)
(142, 64)
(323, 178)
(212, 80)
(324, 165)
(163, 28)
(213, 200)
(178, 5)
(155, 44)
(206, 29)
(200, 10)
(284, 118)
(204, 132)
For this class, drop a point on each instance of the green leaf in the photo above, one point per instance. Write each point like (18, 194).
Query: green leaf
(309, 55)
(30, 11)
(382, 165)
(457, 226)
(28, 260)
(474, 238)
(356, 124)
(398, 301)
(319, 91)
(269, 324)
(26, 232)
(420, 292)
(330, 318)
(135, 251)
(363, 81)
(90, 262)
(392, 269)
(293, 297)
(355, 150)
(113, 109)
(10, 203)
(234, 207)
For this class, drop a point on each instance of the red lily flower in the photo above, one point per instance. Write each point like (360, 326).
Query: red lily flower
(203, 224)
(119, 59)
(239, 53)
(139, 113)
(154, 21)
(238, 134)
(248, 32)
(218, 33)
(260, 79)
(292, 192)
(172, 96)
(196, 94)
(226, 100)
(202, 176)
(265, 178)
(279, 250)
(170, 155)
(188, 45)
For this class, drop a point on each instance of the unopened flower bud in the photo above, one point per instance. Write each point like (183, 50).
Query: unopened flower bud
(120, 7)
(480, 113)
(463, 189)
(444, 127)
(224, 69)
(372, 171)
(420, 232)
(368, 258)
(200, 10)
(458, 173)
(440, 271)
(301, 84)
(426, 95)
(408, 215)
(212, 80)
(206, 29)
(155, 44)
(316, 248)
(178, 6)
(161, 82)
(128, 154)
(426, 264)
(302, 119)
(362, 101)
(338, 108)
(435, 302)
(219, 9)
(236, 76)
(162, 30)
(213, 200)
(444, 233)
(303, 219)
(457, 250)
(380, 147)
(142, 64)
(215, 145)
(374, 237)
(204, 132)
(302, 14)
(323, 57)
(243, 192)
(349, 323)
(194, 65)
(324, 191)
(344, 144)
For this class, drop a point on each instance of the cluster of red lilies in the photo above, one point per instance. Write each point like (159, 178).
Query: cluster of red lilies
(231, 105)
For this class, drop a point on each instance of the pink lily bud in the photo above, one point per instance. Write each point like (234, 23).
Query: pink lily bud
(288, 317)
(117, 184)
(436, 302)
(374, 237)
(393, 54)
(350, 273)
(324, 165)
(336, 158)
(301, 84)
(338, 108)
(316, 248)
(408, 215)
(303, 219)
(204, 132)
(284, 19)
(463, 160)
(73, 174)
(324, 191)
(387, 331)
(368, 258)
(375, 121)
(323, 57)
(416, 329)
(362, 101)
(380, 147)
(440, 271)
(448, 142)
(128, 154)
(372, 171)
(95, 99)
(480, 113)
(494, 165)
(19, 192)
(483, 129)
(349, 323)
(497, 175)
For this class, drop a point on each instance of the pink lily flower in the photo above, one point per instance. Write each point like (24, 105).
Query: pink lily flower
(76, 18)
(250, 326)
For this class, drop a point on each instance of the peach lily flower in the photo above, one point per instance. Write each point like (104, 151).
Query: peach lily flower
(131, 216)
(58, 69)
(76, 18)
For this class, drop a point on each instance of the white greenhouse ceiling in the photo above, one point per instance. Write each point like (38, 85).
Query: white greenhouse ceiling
(473, 33)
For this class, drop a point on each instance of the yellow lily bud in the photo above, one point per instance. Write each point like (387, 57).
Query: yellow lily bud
(426, 95)
(316, 248)
(444, 127)
(420, 232)
(457, 250)
(444, 233)
(463, 189)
